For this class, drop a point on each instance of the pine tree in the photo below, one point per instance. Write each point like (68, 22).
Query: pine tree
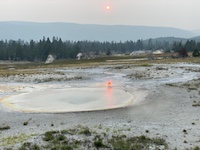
(196, 53)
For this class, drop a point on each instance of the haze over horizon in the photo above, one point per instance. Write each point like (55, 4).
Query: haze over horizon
(75, 32)
(182, 14)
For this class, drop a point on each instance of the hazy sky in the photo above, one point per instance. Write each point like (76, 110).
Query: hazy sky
(183, 14)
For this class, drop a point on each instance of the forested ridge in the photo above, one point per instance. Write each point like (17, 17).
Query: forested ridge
(39, 50)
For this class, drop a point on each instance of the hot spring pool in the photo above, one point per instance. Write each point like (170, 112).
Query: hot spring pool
(69, 100)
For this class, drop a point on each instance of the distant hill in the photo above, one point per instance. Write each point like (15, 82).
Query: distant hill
(74, 32)
(197, 38)
(170, 40)
(196, 32)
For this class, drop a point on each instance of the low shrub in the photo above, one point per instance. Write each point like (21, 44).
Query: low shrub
(4, 128)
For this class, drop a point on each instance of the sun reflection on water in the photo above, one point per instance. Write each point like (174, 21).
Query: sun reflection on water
(110, 97)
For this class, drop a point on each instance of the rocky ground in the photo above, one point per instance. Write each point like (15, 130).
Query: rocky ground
(165, 107)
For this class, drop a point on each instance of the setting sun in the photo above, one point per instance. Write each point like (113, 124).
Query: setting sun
(107, 7)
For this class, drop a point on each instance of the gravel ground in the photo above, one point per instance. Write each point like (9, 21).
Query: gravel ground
(163, 105)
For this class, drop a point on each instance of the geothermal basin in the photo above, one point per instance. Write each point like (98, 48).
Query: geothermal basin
(69, 100)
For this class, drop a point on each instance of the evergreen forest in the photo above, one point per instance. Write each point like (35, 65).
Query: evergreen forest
(39, 50)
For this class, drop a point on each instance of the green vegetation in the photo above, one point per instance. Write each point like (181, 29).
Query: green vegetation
(39, 50)
(12, 140)
(137, 143)
(82, 137)
(196, 104)
(4, 128)
(196, 53)
(27, 69)
(98, 144)
(27, 146)
(86, 131)
(49, 136)
(25, 123)
(59, 140)
(197, 148)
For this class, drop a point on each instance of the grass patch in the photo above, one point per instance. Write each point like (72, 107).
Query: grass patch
(196, 104)
(31, 68)
(71, 139)
(171, 84)
(136, 143)
(30, 146)
(85, 131)
(62, 147)
(64, 131)
(12, 140)
(93, 62)
(19, 72)
(49, 136)
(4, 128)
(99, 144)
(197, 148)
(61, 137)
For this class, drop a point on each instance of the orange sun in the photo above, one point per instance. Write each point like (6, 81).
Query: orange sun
(107, 7)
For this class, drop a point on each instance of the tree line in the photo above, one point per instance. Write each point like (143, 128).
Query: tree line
(39, 50)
